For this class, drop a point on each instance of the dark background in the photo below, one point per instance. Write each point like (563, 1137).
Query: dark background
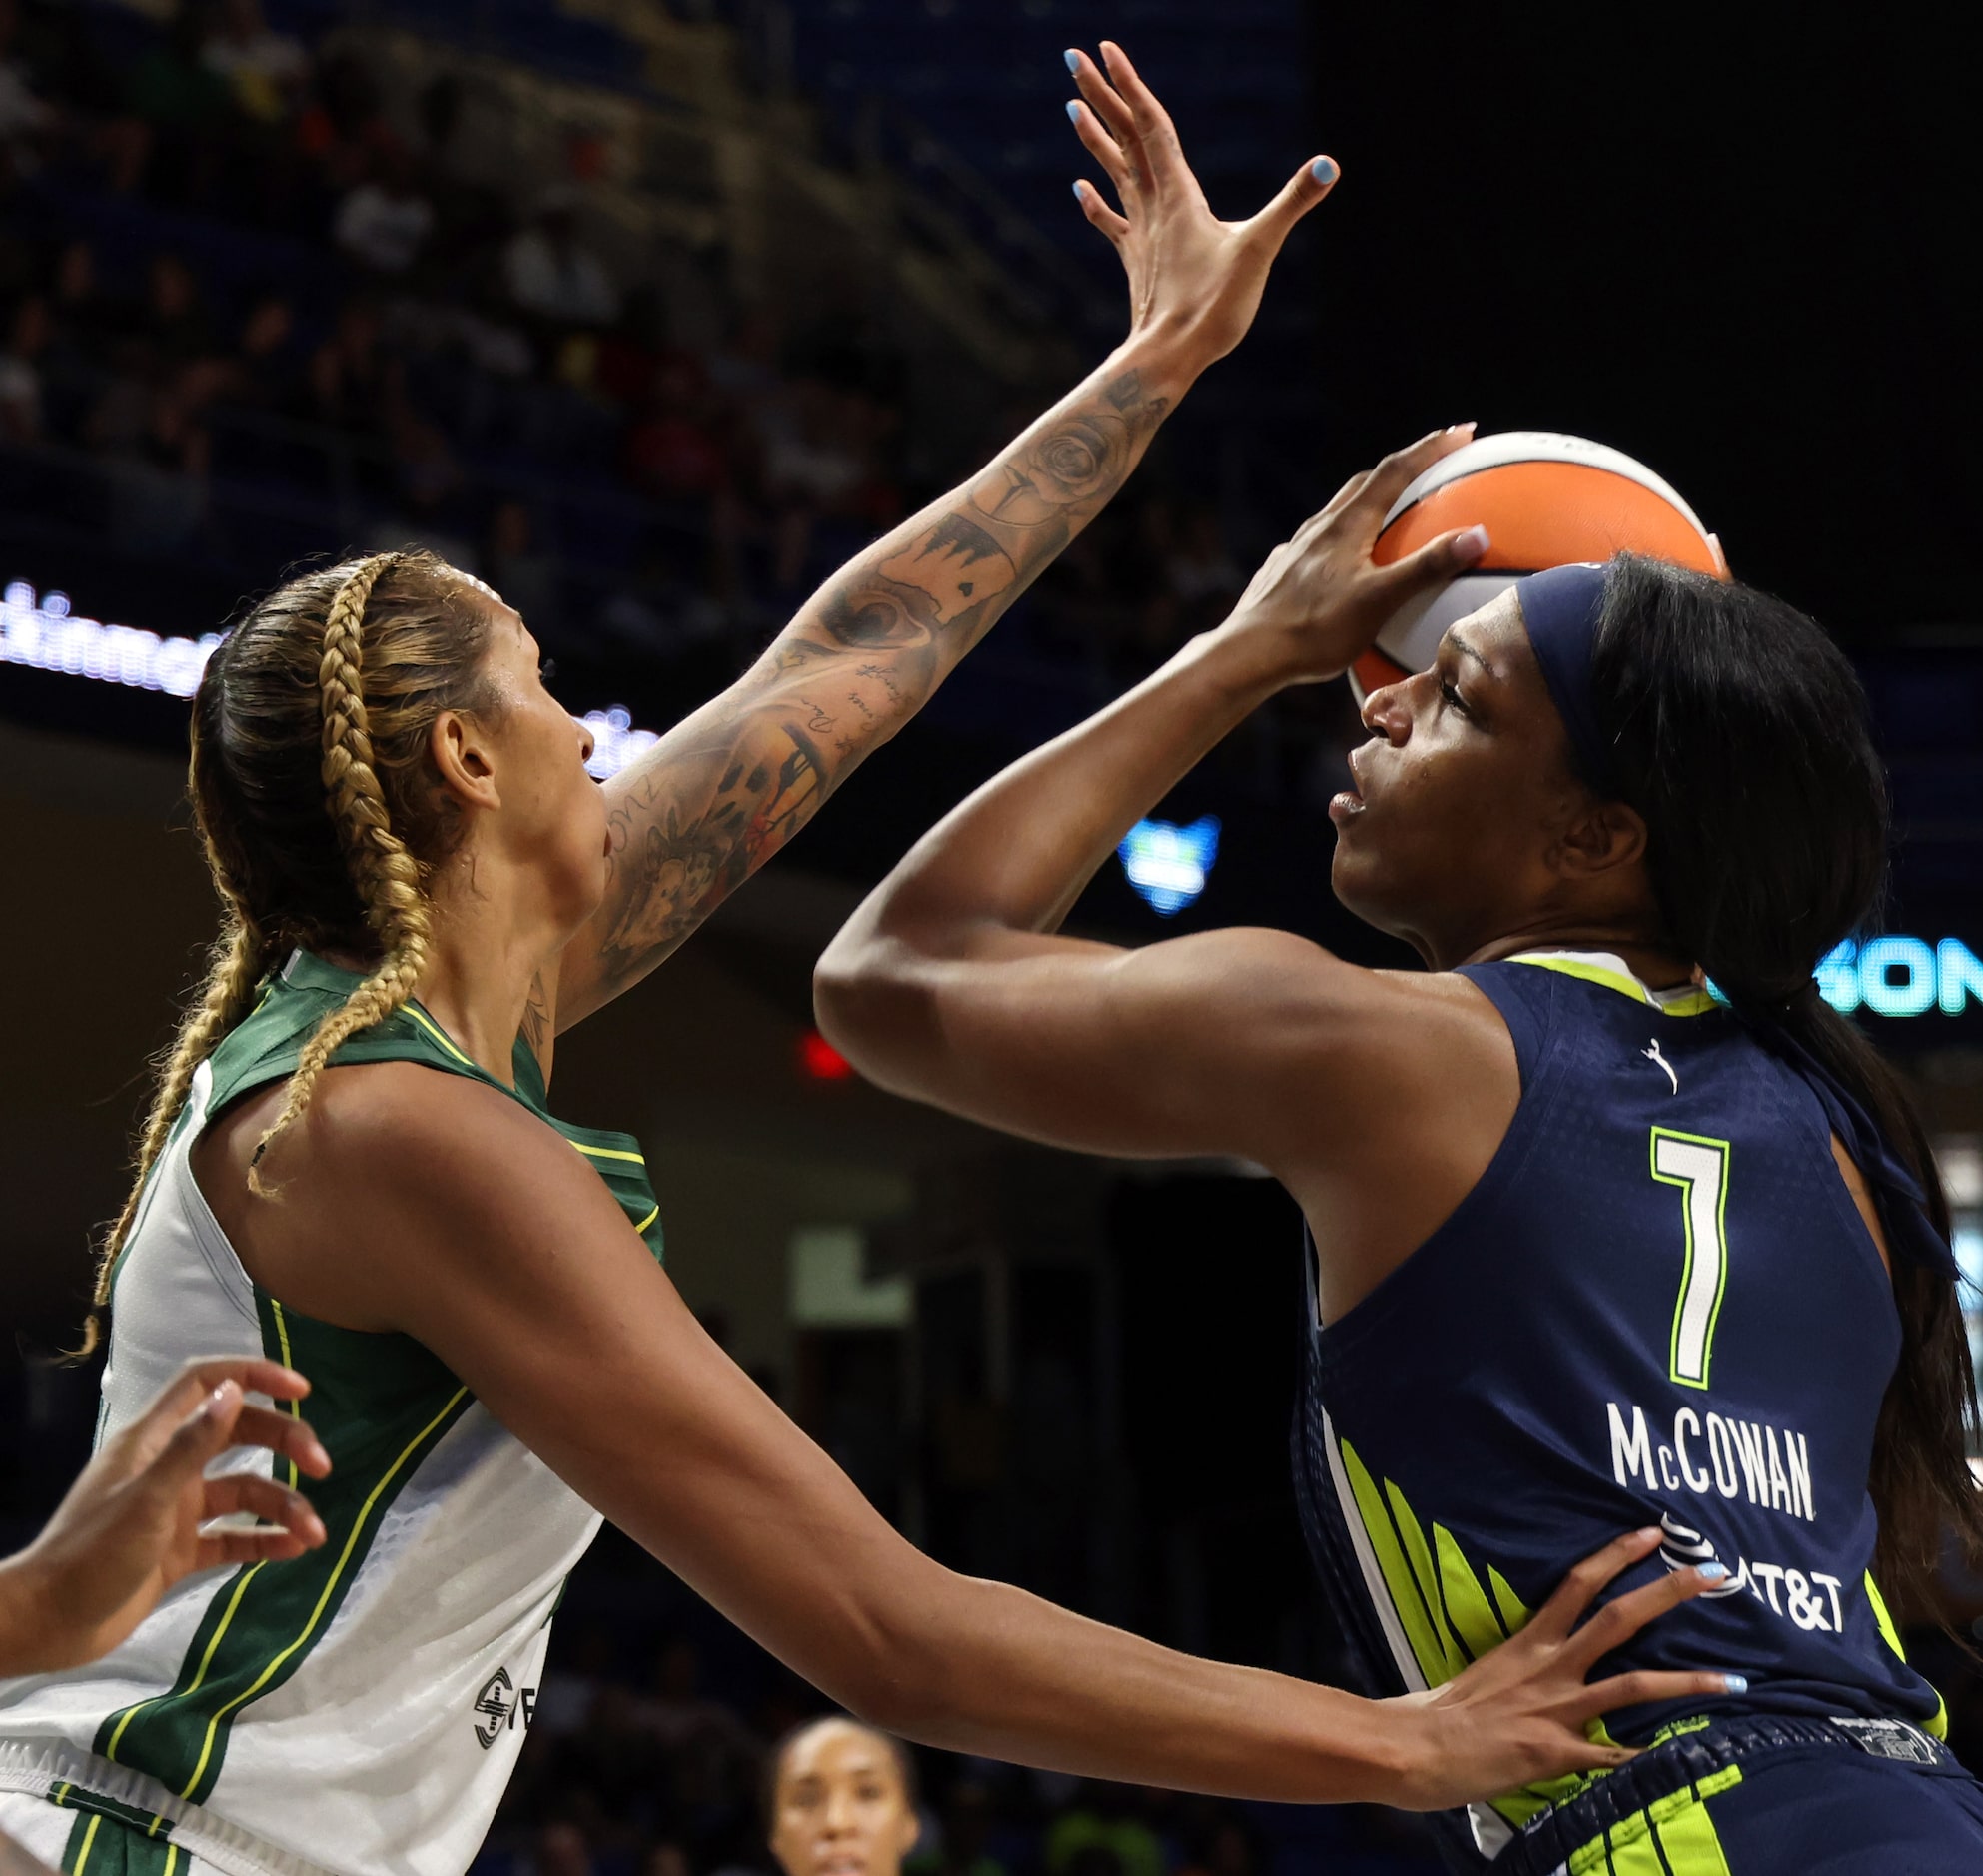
(1736, 243)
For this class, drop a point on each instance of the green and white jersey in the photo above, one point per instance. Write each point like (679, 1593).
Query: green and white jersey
(358, 1710)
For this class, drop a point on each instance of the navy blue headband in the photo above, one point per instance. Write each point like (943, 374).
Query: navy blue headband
(1560, 609)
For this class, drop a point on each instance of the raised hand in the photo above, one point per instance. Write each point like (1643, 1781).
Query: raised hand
(1191, 274)
(132, 1524)
(1519, 1714)
(1320, 596)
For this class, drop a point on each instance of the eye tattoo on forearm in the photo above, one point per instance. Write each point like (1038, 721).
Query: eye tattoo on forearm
(730, 786)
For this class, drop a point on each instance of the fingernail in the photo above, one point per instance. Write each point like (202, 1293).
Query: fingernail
(1736, 1683)
(1711, 1572)
(1073, 61)
(1649, 1530)
(1073, 112)
(1078, 195)
(1471, 544)
(1453, 429)
(1323, 170)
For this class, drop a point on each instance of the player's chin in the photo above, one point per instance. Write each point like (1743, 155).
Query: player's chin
(1357, 873)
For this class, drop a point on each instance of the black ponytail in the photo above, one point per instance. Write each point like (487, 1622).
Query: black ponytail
(1741, 736)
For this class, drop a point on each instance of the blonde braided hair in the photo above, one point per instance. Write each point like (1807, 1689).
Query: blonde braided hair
(386, 876)
(311, 723)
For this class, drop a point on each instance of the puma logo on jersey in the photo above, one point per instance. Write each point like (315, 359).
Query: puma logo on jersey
(1653, 1055)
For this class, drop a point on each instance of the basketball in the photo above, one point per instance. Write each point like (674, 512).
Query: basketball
(1546, 500)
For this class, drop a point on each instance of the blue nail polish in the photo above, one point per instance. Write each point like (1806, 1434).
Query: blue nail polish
(1736, 1683)
(1073, 112)
(1713, 1571)
(1079, 197)
(1073, 63)
(1323, 170)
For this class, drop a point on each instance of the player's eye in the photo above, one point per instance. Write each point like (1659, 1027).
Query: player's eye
(1449, 696)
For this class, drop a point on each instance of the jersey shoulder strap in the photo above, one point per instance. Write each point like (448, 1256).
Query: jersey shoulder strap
(265, 1044)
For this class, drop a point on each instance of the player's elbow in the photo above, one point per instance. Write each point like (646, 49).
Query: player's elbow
(896, 1674)
(866, 1002)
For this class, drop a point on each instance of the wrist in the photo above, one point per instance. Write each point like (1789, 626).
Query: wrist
(1245, 661)
(1401, 1751)
(1166, 360)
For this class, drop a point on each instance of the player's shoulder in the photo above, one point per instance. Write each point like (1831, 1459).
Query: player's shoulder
(391, 1126)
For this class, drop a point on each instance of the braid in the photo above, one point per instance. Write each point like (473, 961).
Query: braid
(386, 876)
(240, 957)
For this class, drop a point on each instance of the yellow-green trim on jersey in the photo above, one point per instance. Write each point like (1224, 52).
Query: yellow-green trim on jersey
(1573, 964)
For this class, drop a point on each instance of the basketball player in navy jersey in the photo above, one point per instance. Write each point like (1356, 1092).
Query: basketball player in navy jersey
(1592, 1245)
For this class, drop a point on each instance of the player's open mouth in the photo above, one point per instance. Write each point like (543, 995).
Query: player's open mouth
(1350, 802)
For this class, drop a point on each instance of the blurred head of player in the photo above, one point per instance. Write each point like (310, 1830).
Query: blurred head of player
(842, 1801)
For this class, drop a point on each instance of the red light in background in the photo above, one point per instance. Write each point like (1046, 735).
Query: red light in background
(820, 1060)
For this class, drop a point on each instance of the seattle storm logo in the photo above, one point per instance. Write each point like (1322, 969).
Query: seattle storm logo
(496, 1703)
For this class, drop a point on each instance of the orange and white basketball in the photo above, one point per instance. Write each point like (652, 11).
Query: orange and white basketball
(1546, 500)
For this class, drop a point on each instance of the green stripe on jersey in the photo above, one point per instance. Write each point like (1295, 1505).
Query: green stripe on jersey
(380, 1404)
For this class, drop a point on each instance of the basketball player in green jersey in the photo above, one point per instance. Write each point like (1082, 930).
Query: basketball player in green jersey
(349, 1165)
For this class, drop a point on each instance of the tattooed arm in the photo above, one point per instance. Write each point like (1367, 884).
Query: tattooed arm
(727, 788)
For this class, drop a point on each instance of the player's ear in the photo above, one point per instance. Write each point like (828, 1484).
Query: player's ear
(1600, 838)
(464, 759)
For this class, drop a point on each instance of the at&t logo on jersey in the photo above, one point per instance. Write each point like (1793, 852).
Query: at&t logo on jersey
(498, 1705)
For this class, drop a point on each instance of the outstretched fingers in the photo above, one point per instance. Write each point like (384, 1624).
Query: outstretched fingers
(1150, 121)
(1579, 1588)
(1401, 467)
(1115, 117)
(1098, 212)
(1617, 1622)
(1641, 1689)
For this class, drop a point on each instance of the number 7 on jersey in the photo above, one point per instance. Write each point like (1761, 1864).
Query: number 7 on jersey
(1699, 1167)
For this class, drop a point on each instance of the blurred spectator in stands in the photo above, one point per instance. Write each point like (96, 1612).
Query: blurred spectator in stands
(1229, 1851)
(527, 581)
(810, 470)
(613, 1757)
(561, 1851)
(962, 1848)
(842, 1796)
(427, 480)
(264, 70)
(1103, 1819)
(20, 372)
(176, 330)
(352, 381)
(342, 129)
(551, 274)
(665, 1859)
(86, 320)
(386, 222)
(575, 1673)
(25, 116)
(264, 374)
(181, 107)
(1204, 580)
(674, 453)
(678, 1711)
(632, 351)
(470, 220)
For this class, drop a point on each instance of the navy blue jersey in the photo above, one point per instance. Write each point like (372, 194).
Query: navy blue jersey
(1658, 1306)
